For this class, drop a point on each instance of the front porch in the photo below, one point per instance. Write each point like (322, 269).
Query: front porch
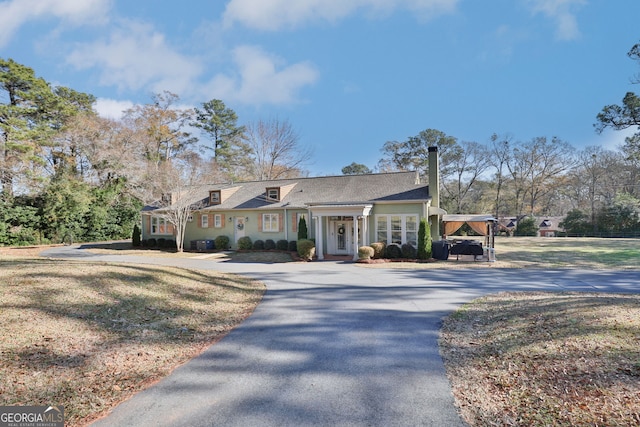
(341, 228)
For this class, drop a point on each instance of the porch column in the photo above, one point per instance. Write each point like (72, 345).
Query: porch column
(319, 238)
(355, 237)
(365, 230)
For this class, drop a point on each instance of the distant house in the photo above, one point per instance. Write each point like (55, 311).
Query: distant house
(342, 212)
(548, 226)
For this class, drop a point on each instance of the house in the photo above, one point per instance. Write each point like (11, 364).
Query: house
(342, 212)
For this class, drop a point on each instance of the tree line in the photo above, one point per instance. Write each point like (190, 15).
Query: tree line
(67, 173)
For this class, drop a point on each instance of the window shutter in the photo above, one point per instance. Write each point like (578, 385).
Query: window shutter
(147, 219)
(210, 223)
(222, 218)
(260, 222)
(280, 222)
(199, 220)
(295, 223)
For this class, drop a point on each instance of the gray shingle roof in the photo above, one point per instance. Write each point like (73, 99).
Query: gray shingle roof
(344, 189)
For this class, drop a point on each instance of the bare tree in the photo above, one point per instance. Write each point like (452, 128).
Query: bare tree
(466, 166)
(276, 150)
(499, 152)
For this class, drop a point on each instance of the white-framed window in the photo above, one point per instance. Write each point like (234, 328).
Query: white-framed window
(204, 221)
(398, 228)
(214, 197)
(271, 223)
(160, 225)
(273, 193)
(217, 221)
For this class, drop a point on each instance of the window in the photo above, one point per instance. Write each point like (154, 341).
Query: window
(273, 193)
(160, 225)
(270, 223)
(217, 221)
(214, 197)
(398, 229)
(204, 221)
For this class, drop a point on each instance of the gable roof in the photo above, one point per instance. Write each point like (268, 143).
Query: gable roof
(302, 192)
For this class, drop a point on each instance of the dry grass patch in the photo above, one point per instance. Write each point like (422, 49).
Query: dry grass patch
(545, 359)
(88, 335)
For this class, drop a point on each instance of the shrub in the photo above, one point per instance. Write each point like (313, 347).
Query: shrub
(245, 243)
(258, 245)
(306, 249)
(152, 242)
(365, 252)
(144, 243)
(282, 245)
(408, 251)
(293, 246)
(269, 245)
(378, 249)
(424, 240)
(135, 237)
(393, 251)
(161, 241)
(526, 227)
(170, 244)
(222, 242)
(302, 229)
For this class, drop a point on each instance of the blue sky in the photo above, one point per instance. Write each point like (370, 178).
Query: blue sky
(349, 75)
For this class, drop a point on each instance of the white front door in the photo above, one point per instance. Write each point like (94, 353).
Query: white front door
(238, 228)
(342, 233)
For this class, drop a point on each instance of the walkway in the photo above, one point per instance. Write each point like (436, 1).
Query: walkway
(332, 344)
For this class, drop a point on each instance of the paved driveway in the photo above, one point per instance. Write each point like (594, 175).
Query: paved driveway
(332, 344)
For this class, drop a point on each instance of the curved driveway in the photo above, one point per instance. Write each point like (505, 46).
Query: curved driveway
(332, 344)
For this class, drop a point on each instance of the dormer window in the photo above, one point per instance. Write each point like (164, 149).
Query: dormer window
(273, 193)
(214, 197)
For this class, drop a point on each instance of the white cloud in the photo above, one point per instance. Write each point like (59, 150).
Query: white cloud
(276, 14)
(137, 57)
(562, 12)
(15, 13)
(262, 78)
(611, 139)
(111, 108)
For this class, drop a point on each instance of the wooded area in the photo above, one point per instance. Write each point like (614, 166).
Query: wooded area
(68, 174)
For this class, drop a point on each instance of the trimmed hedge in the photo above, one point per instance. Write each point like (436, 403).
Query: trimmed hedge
(269, 245)
(293, 246)
(408, 251)
(378, 249)
(365, 252)
(306, 249)
(245, 243)
(222, 242)
(258, 245)
(393, 251)
(282, 245)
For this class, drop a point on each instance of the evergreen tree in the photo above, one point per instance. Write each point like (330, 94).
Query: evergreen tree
(424, 240)
(302, 229)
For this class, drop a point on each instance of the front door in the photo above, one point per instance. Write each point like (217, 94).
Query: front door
(238, 228)
(342, 233)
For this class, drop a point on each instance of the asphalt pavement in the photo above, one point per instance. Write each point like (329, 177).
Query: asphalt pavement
(332, 344)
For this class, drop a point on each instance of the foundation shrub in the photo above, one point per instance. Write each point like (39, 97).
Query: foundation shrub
(293, 246)
(269, 245)
(258, 245)
(282, 245)
(409, 251)
(365, 252)
(245, 243)
(222, 242)
(378, 249)
(306, 249)
(393, 251)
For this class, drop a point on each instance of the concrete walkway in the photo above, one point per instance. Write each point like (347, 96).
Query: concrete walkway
(332, 344)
